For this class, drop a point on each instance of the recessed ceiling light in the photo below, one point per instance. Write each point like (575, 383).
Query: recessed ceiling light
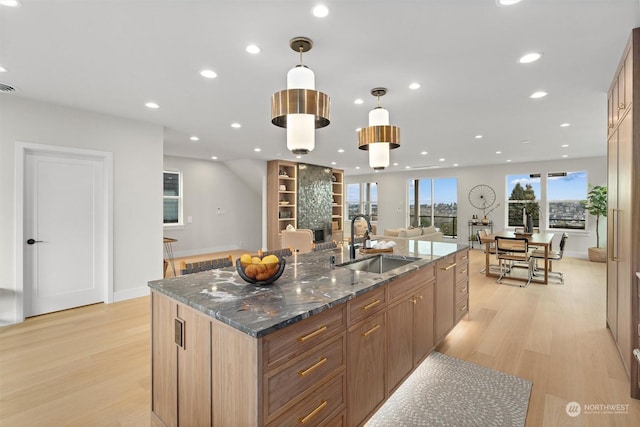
(152, 105)
(320, 11)
(424, 153)
(564, 125)
(407, 167)
(455, 164)
(524, 141)
(333, 163)
(539, 94)
(358, 101)
(498, 152)
(3, 70)
(358, 129)
(194, 138)
(414, 86)
(395, 164)
(257, 150)
(253, 49)
(564, 145)
(10, 3)
(508, 2)
(214, 157)
(236, 125)
(298, 156)
(210, 74)
(357, 167)
(441, 160)
(509, 161)
(478, 137)
(565, 155)
(529, 58)
(341, 150)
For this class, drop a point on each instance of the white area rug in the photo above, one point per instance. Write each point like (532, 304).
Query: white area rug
(445, 391)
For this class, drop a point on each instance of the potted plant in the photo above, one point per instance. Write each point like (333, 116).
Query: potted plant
(596, 204)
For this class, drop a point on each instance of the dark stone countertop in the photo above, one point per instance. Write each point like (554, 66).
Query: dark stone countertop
(307, 286)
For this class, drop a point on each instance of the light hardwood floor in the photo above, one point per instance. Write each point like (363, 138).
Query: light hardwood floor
(90, 366)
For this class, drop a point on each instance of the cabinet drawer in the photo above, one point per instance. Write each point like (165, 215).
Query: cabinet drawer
(406, 284)
(462, 290)
(303, 374)
(462, 308)
(462, 257)
(366, 305)
(315, 409)
(292, 341)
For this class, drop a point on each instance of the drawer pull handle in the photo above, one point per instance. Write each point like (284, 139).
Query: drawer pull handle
(464, 271)
(313, 413)
(621, 106)
(465, 257)
(371, 304)
(312, 367)
(463, 308)
(312, 334)
(449, 267)
(375, 328)
(463, 290)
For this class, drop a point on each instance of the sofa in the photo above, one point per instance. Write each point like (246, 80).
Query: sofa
(430, 233)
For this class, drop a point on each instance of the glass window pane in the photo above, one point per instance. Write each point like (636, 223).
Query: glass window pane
(445, 205)
(171, 184)
(170, 211)
(564, 193)
(523, 193)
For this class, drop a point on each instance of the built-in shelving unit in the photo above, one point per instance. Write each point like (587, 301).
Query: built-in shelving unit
(282, 190)
(337, 205)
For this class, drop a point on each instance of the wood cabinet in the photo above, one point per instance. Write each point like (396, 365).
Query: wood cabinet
(444, 296)
(337, 206)
(462, 285)
(410, 325)
(623, 217)
(181, 372)
(282, 192)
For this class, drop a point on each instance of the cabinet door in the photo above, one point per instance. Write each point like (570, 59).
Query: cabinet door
(444, 298)
(366, 365)
(423, 322)
(612, 266)
(164, 393)
(194, 369)
(400, 336)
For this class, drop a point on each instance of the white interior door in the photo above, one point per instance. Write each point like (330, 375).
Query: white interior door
(65, 232)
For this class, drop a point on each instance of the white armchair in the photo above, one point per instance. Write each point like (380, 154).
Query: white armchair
(300, 240)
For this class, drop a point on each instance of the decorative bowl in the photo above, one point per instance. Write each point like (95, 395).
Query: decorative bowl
(284, 202)
(270, 274)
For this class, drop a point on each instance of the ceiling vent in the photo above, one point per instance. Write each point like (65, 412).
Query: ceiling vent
(6, 88)
(426, 167)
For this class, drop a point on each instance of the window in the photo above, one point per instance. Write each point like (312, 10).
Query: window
(434, 202)
(362, 198)
(522, 194)
(172, 198)
(565, 190)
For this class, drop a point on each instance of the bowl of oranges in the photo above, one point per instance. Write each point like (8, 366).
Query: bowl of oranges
(260, 271)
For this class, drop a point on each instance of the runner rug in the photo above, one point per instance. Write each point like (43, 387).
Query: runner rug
(445, 391)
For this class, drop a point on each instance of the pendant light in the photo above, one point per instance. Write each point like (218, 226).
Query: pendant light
(300, 108)
(379, 137)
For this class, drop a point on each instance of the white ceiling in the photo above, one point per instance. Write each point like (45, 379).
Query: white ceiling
(114, 56)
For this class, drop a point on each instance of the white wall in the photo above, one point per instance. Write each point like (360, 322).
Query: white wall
(137, 187)
(393, 195)
(226, 212)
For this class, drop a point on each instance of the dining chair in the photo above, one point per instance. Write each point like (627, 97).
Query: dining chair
(552, 256)
(205, 265)
(284, 252)
(482, 235)
(512, 251)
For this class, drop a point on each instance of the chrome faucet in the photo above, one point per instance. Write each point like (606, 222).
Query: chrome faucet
(352, 252)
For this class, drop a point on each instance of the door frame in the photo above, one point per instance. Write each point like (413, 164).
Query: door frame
(21, 152)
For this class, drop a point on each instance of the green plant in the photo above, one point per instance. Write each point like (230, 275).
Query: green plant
(596, 204)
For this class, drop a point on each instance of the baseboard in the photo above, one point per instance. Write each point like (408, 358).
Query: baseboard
(141, 291)
(7, 318)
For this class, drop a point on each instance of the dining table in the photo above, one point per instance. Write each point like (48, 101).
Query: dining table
(541, 240)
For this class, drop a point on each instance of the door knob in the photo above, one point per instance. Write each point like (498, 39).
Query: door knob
(32, 241)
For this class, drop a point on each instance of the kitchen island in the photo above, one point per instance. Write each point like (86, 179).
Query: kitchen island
(324, 345)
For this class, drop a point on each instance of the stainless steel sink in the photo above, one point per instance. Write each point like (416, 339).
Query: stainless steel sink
(379, 264)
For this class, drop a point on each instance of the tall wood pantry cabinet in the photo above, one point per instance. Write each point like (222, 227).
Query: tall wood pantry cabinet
(623, 223)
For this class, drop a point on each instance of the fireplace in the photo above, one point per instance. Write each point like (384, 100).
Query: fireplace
(318, 236)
